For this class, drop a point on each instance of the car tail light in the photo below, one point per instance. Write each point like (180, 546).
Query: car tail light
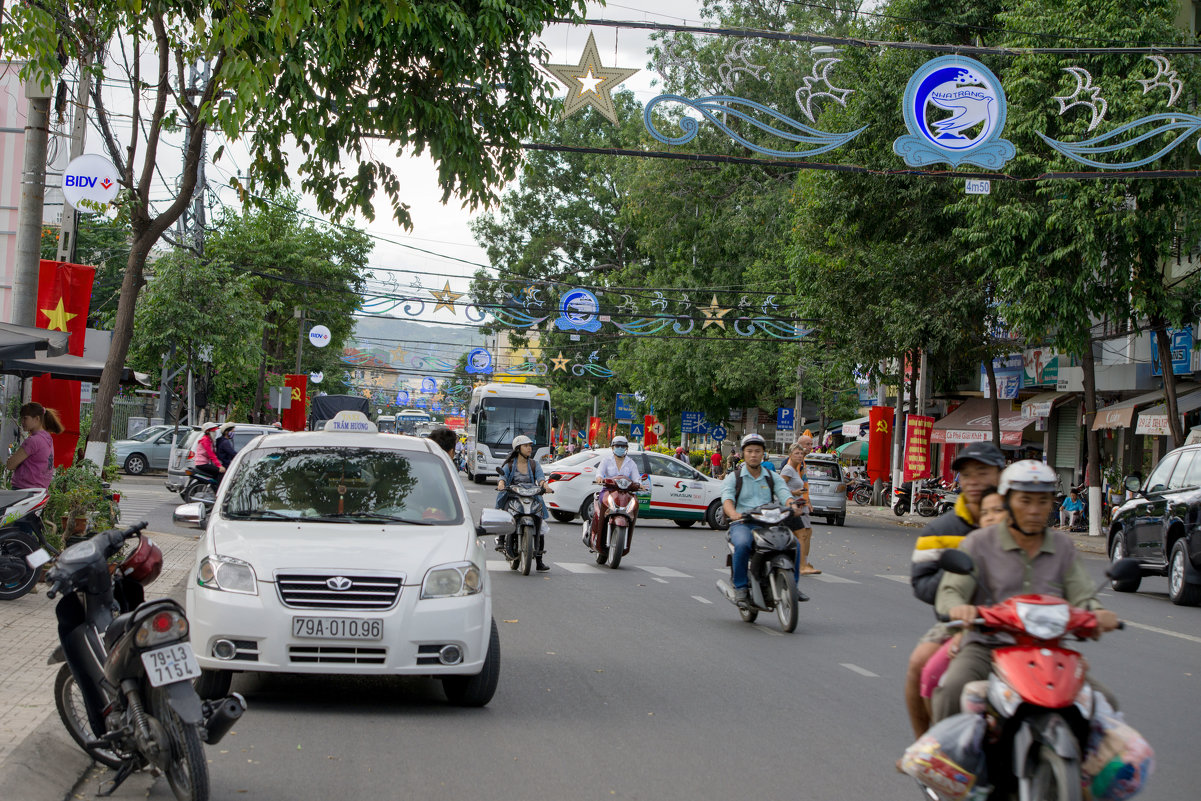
(566, 476)
(191, 454)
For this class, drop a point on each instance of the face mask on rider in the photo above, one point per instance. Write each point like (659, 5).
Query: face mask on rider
(619, 450)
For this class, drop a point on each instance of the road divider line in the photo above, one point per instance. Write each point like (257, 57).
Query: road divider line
(859, 670)
(702, 599)
(1168, 632)
(893, 577)
(662, 572)
(579, 567)
(826, 577)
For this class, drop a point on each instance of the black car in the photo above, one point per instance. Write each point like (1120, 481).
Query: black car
(1159, 527)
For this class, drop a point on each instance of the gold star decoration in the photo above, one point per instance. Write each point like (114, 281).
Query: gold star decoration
(59, 317)
(561, 362)
(713, 314)
(446, 299)
(590, 84)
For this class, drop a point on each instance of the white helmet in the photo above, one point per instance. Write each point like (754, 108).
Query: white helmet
(752, 439)
(521, 439)
(1028, 475)
(618, 441)
(207, 427)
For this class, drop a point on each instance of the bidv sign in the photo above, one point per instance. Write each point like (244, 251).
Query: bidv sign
(90, 183)
(319, 335)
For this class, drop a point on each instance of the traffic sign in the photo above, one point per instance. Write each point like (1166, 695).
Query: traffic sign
(659, 429)
(784, 419)
(692, 422)
(625, 408)
(718, 433)
(636, 430)
(319, 336)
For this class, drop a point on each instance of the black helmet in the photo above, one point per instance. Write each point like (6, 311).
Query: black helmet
(982, 452)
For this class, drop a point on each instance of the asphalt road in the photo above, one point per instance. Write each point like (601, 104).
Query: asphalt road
(642, 683)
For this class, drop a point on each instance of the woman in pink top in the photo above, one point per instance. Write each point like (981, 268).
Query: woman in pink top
(33, 463)
(206, 455)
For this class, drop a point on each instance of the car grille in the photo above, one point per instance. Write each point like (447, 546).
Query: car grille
(312, 591)
(336, 655)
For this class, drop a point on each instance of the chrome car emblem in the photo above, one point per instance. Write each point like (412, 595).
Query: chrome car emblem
(339, 583)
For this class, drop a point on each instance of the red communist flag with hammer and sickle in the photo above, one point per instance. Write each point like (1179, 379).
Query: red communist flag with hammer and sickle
(879, 443)
(64, 295)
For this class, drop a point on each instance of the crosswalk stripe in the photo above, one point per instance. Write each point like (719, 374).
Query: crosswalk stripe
(497, 564)
(578, 567)
(829, 579)
(893, 577)
(702, 599)
(663, 572)
(859, 670)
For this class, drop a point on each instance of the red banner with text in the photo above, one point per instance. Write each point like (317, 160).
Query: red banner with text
(916, 464)
(459, 423)
(879, 443)
(64, 295)
(295, 416)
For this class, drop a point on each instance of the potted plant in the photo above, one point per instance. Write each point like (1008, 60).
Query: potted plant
(77, 496)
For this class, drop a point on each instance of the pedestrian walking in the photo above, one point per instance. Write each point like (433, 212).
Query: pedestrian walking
(798, 484)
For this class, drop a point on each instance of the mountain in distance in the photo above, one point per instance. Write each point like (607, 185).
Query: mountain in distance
(390, 338)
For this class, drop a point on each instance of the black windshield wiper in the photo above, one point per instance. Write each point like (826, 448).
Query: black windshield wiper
(371, 517)
(252, 514)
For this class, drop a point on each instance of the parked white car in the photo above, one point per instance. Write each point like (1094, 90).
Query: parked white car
(678, 491)
(345, 551)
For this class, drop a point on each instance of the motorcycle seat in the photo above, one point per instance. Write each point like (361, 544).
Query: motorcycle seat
(11, 497)
(116, 630)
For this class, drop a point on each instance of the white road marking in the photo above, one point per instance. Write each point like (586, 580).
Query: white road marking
(829, 579)
(579, 567)
(1168, 632)
(702, 600)
(859, 670)
(497, 564)
(665, 572)
(661, 581)
(772, 632)
(893, 577)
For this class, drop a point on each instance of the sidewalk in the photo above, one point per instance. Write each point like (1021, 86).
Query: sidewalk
(1084, 543)
(49, 762)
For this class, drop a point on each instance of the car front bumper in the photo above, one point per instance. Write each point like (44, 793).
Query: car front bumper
(261, 628)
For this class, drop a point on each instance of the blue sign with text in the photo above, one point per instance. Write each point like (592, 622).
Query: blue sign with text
(692, 422)
(625, 408)
(1182, 352)
(784, 418)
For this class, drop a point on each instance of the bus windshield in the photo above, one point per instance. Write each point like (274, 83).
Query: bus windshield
(502, 419)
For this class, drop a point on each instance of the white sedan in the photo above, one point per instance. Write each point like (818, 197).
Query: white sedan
(678, 492)
(345, 551)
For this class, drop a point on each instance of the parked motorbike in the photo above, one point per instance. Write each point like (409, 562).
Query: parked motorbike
(1039, 701)
(860, 491)
(772, 581)
(522, 546)
(200, 488)
(20, 536)
(609, 531)
(901, 498)
(125, 693)
(946, 503)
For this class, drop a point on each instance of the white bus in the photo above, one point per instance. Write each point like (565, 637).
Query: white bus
(498, 413)
(408, 421)
(386, 423)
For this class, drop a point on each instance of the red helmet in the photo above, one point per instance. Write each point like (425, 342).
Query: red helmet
(145, 563)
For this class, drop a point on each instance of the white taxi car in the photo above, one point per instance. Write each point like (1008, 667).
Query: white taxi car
(345, 551)
(678, 491)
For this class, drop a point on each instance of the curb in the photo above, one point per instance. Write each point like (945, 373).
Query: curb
(36, 768)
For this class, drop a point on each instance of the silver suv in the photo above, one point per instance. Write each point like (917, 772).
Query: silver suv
(827, 488)
(183, 458)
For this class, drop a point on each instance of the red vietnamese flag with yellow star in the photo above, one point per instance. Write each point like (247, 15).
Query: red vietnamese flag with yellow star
(64, 296)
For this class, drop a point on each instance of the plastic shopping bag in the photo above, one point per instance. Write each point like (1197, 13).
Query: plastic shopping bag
(1118, 760)
(949, 758)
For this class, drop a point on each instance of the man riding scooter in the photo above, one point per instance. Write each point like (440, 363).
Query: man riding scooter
(744, 489)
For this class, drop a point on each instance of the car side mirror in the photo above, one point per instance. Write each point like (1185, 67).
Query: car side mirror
(1124, 570)
(189, 514)
(1132, 483)
(956, 561)
(494, 523)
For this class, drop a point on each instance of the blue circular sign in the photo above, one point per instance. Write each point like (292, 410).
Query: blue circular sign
(578, 311)
(429, 386)
(718, 433)
(402, 398)
(479, 360)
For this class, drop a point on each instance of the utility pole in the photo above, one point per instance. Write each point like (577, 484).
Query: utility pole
(798, 418)
(33, 198)
(70, 223)
(298, 313)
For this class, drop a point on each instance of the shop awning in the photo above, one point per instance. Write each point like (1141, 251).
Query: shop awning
(1042, 404)
(24, 341)
(87, 367)
(1121, 414)
(972, 422)
(853, 428)
(1154, 421)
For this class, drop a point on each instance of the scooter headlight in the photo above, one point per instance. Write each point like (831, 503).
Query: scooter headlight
(227, 574)
(1045, 621)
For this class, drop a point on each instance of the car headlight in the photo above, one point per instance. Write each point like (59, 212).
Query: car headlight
(452, 581)
(227, 574)
(481, 455)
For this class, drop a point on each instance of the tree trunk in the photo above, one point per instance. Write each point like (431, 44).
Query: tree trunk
(1093, 469)
(259, 414)
(996, 402)
(1164, 347)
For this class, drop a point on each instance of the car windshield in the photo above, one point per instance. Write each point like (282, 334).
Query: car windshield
(343, 485)
(146, 433)
(821, 471)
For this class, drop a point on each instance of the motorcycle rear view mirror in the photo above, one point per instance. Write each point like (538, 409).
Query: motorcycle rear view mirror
(955, 561)
(1124, 570)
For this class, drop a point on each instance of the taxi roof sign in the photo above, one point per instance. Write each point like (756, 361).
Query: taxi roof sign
(349, 422)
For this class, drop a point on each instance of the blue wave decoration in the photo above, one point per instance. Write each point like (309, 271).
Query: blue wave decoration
(747, 326)
(432, 363)
(1187, 124)
(378, 306)
(516, 319)
(710, 107)
(644, 326)
(595, 370)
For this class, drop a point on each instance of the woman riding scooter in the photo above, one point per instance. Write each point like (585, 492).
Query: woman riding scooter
(618, 464)
(521, 468)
